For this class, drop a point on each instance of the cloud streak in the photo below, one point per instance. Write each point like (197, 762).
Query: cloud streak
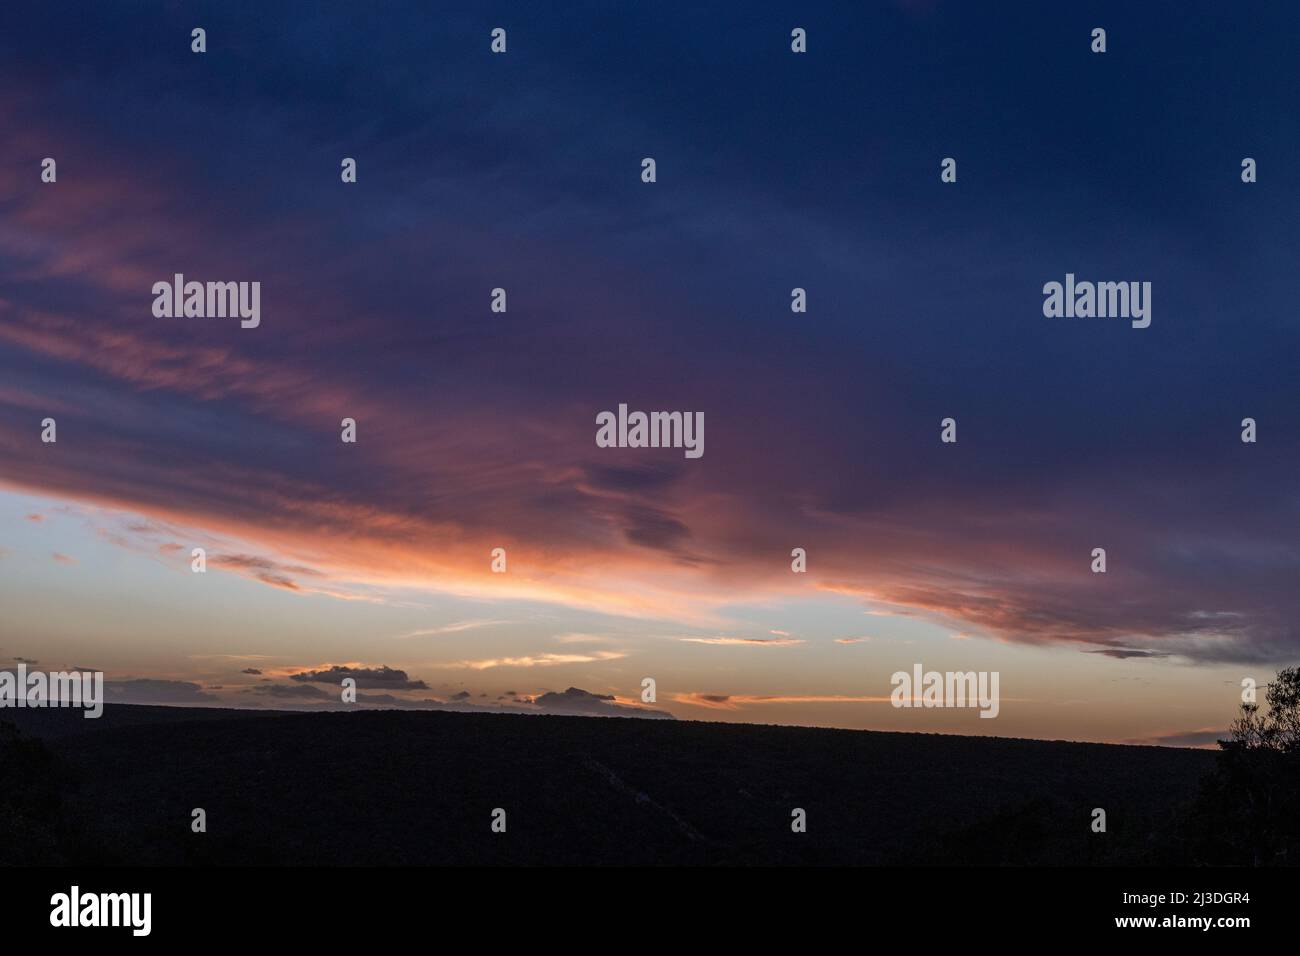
(477, 434)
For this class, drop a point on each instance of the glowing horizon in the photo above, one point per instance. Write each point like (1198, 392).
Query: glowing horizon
(478, 429)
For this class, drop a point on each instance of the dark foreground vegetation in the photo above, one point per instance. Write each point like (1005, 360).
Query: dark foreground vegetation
(397, 787)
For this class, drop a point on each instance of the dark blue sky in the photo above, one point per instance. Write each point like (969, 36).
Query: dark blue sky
(775, 170)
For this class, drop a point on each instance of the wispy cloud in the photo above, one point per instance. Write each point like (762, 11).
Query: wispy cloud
(578, 638)
(739, 701)
(1205, 737)
(540, 660)
(744, 641)
(453, 628)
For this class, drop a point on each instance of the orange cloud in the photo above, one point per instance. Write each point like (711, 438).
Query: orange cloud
(739, 701)
(539, 660)
(743, 641)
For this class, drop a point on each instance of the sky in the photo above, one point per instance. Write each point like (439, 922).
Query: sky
(476, 429)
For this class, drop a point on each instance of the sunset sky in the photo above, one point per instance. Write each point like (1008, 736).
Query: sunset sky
(476, 430)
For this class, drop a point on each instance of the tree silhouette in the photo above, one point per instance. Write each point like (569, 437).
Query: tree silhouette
(1248, 811)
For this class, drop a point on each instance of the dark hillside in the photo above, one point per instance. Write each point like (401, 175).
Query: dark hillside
(397, 787)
